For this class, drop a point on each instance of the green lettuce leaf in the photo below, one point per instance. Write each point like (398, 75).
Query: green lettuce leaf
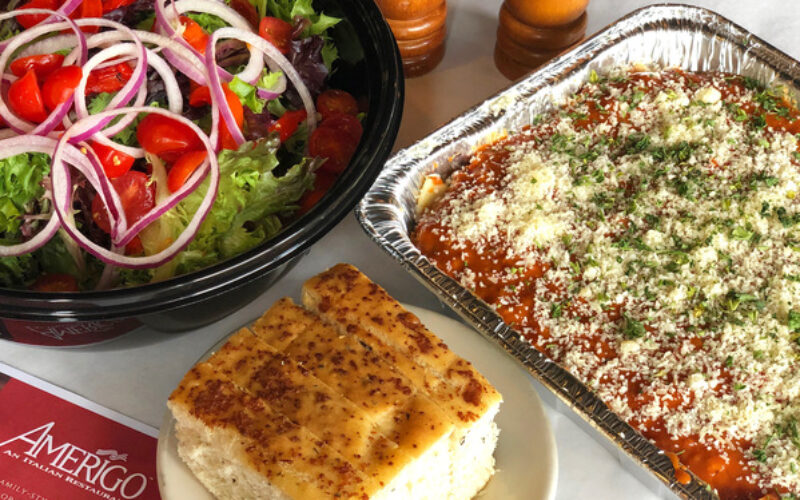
(8, 29)
(247, 94)
(250, 200)
(288, 9)
(21, 192)
(20, 189)
(126, 136)
(99, 102)
(16, 272)
(209, 22)
(329, 54)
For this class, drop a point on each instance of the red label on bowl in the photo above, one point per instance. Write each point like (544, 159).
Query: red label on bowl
(51, 448)
(64, 334)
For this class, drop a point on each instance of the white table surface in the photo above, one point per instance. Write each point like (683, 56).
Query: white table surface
(135, 374)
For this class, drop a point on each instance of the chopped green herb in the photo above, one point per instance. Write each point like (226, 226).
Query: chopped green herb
(631, 328)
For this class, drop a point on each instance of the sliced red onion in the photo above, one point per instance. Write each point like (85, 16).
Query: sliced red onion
(54, 118)
(29, 144)
(171, 87)
(194, 74)
(30, 34)
(186, 57)
(218, 94)
(277, 89)
(53, 44)
(62, 196)
(267, 94)
(273, 56)
(109, 274)
(66, 8)
(62, 13)
(111, 200)
(167, 21)
(174, 96)
(174, 104)
(124, 121)
(131, 87)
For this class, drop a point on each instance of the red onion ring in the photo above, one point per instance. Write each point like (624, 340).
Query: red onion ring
(131, 87)
(62, 12)
(274, 56)
(218, 95)
(267, 94)
(62, 195)
(165, 24)
(117, 221)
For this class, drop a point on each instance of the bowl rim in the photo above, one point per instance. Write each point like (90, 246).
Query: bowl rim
(380, 130)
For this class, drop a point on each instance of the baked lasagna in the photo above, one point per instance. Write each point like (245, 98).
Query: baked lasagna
(645, 235)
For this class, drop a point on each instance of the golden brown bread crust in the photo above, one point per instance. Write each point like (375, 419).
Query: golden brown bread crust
(289, 389)
(344, 296)
(285, 453)
(402, 413)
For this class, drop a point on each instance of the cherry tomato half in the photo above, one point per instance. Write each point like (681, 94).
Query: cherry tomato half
(137, 197)
(347, 123)
(29, 20)
(183, 167)
(201, 96)
(322, 183)
(165, 137)
(333, 144)
(25, 98)
(247, 11)
(43, 64)
(60, 85)
(115, 163)
(277, 32)
(88, 9)
(108, 79)
(135, 247)
(336, 101)
(194, 34)
(56, 282)
(288, 123)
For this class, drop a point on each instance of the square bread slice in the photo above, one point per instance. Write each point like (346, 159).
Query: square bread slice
(347, 299)
(240, 449)
(411, 466)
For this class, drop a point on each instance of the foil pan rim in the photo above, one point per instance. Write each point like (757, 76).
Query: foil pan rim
(386, 218)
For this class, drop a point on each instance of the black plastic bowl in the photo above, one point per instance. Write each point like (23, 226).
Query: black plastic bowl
(192, 300)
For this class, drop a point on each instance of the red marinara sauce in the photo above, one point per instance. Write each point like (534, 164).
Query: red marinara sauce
(526, 291)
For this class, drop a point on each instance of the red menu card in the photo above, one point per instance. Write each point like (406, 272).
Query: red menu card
(57, 445)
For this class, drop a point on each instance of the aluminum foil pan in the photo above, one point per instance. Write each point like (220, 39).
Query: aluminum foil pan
(680, 36)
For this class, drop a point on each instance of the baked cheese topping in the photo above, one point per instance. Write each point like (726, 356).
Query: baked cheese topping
(646, 236)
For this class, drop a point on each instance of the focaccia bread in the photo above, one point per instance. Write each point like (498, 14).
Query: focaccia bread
(366, 415)
(347, 299)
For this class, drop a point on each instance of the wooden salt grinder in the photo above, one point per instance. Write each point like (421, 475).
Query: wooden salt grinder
(419, 28)
(531, 32)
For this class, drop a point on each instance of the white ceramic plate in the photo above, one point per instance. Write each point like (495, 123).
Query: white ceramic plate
(527, 464)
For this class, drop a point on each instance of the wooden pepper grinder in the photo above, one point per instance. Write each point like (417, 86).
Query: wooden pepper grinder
(419, 28)
(531, 32)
